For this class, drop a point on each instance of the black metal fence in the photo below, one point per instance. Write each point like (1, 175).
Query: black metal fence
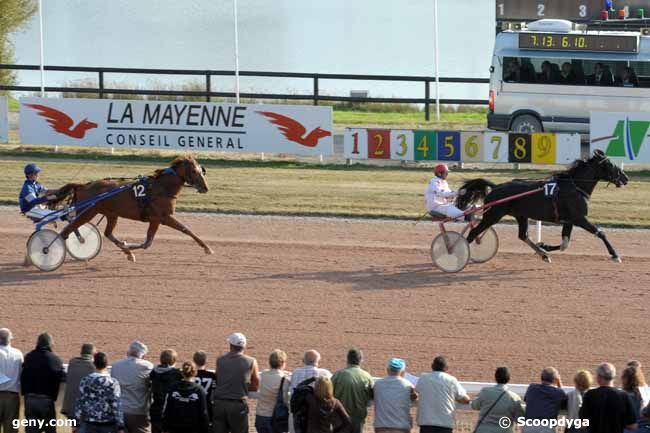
(207, 93)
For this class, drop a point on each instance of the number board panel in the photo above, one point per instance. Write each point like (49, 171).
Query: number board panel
(543, 148)
(401, 145)
(449, 146)
(568, 148)
(378, 144)
(496, 147)
(472, 149)
(573, 10)
(426, 145)
(355, 143)
(519, 148)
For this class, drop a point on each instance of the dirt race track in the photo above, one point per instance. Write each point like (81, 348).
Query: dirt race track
(296, 284)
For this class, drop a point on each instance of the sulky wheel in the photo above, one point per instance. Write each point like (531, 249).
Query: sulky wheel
(484, 247)
(46, 249)
(85, 242)
(450, 251)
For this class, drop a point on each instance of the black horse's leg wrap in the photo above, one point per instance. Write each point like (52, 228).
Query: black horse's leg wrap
(566, 238)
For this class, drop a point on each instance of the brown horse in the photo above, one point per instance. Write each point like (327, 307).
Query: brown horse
(161, 193)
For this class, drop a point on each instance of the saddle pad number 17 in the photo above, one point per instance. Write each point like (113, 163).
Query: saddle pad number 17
(550, 189)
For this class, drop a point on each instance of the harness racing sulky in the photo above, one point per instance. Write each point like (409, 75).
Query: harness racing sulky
(149, 199)
(562, 199)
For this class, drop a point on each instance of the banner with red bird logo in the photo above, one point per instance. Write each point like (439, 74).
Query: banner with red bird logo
(191, 126)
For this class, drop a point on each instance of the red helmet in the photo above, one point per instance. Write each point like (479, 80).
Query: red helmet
(440, 169)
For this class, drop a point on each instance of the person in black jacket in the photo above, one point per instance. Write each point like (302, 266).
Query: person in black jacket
(39, 382)
(163, 378)
(186, 408)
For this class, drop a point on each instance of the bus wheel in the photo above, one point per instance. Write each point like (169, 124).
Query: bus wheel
(526, 124)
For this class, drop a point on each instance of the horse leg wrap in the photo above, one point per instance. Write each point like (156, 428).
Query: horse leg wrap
(565, 243)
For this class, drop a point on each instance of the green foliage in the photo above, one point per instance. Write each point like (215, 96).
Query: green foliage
(13, 15)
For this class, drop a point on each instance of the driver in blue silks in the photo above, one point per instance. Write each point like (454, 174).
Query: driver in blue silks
(33, 194)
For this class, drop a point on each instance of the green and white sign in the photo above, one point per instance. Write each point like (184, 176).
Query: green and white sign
(623, 136)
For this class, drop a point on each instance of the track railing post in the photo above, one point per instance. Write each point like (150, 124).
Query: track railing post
(427, 95)
(208, 86)
(101, 84)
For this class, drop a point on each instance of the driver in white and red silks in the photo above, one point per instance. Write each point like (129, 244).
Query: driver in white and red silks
(439, 197)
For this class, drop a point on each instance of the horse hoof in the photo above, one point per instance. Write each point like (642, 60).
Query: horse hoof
(617, 259)
(208, 251)
(547, 259)
(131, 257)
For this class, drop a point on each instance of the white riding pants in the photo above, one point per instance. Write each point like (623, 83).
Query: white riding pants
(449, 210)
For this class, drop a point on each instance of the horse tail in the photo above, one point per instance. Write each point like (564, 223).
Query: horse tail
(67, 192)
(473, 191)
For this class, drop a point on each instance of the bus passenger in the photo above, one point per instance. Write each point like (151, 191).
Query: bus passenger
(567, 76)
(602, 76)
(528, 74)
(513, 74)
(629, 78)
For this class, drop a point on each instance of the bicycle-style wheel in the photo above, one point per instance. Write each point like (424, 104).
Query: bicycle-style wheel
(85, 242)
(46, 250)
(484, 247)
(450, 251)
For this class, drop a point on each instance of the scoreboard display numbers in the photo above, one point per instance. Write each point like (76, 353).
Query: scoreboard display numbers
(579, 42)
(528, 10)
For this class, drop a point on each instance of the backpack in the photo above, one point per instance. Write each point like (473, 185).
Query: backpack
(298, 404)
(280, 416)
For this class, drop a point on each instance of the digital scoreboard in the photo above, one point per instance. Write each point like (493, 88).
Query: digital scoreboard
(572, 10)
(579, 42)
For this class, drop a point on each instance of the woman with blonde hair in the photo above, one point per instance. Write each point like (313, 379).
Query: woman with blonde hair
(274, 383)
(583, 380)
(325, 414)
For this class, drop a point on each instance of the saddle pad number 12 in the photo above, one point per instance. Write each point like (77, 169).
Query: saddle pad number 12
(139, 191)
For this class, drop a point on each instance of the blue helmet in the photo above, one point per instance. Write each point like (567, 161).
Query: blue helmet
(31, 169)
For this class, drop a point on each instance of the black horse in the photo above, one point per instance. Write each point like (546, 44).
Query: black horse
(564, 198)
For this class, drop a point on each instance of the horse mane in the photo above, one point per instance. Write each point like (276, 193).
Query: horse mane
(176, 162)
(575, 167)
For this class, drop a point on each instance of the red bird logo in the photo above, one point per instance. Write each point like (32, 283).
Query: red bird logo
(62, 123)
(294, 130)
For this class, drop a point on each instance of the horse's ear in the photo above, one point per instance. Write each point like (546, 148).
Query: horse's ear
(599, 153)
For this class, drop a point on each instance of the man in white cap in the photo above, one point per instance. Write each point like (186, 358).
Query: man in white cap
(237, 374)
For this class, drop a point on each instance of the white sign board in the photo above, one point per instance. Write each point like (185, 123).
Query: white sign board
(4, 120)
(186, 126)
(622, 136)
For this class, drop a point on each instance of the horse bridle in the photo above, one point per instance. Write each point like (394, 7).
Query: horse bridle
(186, 183)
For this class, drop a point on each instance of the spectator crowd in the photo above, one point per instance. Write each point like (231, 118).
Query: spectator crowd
(135, 396)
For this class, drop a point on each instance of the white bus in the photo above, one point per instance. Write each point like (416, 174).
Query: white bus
(548, 77)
